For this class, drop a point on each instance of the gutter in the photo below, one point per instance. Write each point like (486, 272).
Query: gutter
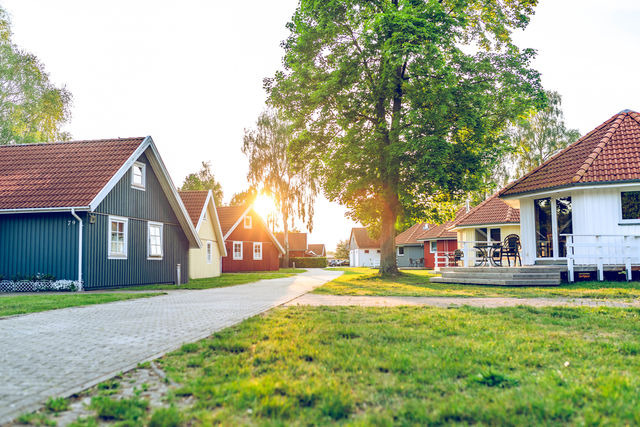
(73, 212)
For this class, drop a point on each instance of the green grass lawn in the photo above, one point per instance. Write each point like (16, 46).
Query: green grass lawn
(21, 304)
(365, 281)
(226, 279)
(416, 366)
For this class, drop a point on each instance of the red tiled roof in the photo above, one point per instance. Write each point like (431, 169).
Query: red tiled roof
(609, 153)
(297, 241)
(491, 211)
(409, 236)
(60, 174)
(317, 248)
(194, 202)
(229, 215)
(362, 238)
(439, 232)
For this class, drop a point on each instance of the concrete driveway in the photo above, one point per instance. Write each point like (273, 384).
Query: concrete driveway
(61, 352)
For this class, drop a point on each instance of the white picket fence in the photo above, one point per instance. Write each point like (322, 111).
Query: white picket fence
(602, 250)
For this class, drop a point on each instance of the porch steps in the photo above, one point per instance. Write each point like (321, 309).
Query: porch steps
(502, 276)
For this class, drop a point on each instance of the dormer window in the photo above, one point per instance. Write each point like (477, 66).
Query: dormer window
(138, 178)
(247, 221)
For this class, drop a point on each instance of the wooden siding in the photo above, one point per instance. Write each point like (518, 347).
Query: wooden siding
(140, 207)
(257, 233)
(39, 243)
(198, 265)
(442, 246)
(410, 252)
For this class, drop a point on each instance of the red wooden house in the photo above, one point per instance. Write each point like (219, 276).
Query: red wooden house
(249, 243)
(298, 246)
(438, 239)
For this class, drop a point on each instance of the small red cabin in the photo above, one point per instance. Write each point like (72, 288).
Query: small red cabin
(298, 246)
(249, 243)
(438, 239)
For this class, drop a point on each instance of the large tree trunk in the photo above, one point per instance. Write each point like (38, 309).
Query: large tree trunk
(388, 261)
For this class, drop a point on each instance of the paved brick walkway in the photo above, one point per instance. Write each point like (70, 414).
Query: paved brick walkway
(375, 301)
(61, 352)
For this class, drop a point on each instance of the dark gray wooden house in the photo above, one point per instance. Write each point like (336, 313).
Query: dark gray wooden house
(102, 212)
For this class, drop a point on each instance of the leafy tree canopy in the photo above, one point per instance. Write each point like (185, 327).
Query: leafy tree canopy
(540, 135)
(245, 197)
(342, 250)
(32, 108)
(402, 104)
(204, 180)
(272, 168)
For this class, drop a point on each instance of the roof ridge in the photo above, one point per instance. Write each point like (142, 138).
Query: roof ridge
(615, 125)
(76, 141)
(567, 148)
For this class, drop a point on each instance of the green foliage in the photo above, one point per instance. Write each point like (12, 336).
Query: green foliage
(418, 366)
(32, 108)
(245, 197)
(21, 304)
(166, 417)
(288, 179)
(36, 419)
(308, 262)
(56, 404)
(367, 281)
(540, 135)
(226, 279)
(402, 103)
(131, 409)
(204, 180)
(342, 250)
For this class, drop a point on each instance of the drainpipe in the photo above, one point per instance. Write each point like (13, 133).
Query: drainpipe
(73, 212)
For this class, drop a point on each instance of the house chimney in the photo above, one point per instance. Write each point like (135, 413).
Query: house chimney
(467, 205)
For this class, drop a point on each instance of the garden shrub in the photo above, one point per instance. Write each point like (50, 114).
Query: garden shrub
(308, 262)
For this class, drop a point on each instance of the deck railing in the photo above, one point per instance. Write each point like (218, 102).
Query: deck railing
(601, 250)
(470, 254)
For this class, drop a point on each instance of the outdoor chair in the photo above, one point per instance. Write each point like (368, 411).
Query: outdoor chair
(511, 248)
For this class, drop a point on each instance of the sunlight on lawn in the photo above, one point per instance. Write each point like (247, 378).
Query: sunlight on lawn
(365, 281)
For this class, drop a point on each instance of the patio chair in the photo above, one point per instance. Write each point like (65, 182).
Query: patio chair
(511, 248)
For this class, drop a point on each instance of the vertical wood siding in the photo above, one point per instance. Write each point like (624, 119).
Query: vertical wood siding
(257, 233)
(140, 207)
(39, 243)
(410, 252)
(442, 246)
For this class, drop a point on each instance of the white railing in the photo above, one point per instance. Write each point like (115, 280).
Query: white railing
(601, 250)
(470, 252)
(441, 259)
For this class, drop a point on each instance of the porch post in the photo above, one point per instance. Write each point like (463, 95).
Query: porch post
(600, 263)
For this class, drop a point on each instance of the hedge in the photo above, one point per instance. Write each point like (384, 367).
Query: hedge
(308, 262)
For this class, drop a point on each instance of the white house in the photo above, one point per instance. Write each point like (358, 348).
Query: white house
(581, 208)
(363, 250)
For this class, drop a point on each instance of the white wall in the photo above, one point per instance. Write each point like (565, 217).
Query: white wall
(595, 211)
(359, 258)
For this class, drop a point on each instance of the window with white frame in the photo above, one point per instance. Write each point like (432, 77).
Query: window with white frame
(247, 221)
(237, 250)
(138, 178)
(400, 250)
(154, 244)
(257, 250)
(630, 204)
(433, 246)
(209, 252)
(118, 237)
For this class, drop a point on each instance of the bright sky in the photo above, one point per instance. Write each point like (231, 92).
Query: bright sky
(189, 73)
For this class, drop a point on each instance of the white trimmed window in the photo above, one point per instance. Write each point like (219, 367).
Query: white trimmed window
(138, 176)
(247, 221)
(237, 250)
(154, 243)
(433, 246)
(257, 250)
(118, 229)
(400, 250)
(209, 252)
(630, 204)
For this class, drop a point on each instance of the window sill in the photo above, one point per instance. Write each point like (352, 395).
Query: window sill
(629, 222)
(117, 257)
(154, 258)
(138, 187)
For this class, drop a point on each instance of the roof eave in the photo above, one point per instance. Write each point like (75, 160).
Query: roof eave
(545, 190)
(45, 210)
